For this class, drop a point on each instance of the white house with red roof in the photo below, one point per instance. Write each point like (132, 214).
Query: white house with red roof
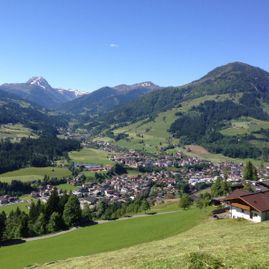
(250, 206)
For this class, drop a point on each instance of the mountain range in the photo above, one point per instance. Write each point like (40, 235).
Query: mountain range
(107, 98)
(38, 91)
(226, 111)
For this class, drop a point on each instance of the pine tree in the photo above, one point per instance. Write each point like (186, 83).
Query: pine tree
(55, 222)
(23, 225)
(2, 225)
(204, 200)
(87, 214)
(72, 211)
(185, 201)
(145, 205)
(63, 200)
(12, 230)
(247, 173)
(39, 226)
(52, 204)
(250, 171)
(216, 188)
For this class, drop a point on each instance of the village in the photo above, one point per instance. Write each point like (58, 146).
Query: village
(159, 177)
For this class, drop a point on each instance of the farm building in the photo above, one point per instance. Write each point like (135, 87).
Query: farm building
(250, 206)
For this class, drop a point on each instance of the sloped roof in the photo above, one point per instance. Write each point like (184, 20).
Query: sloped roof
(236, 194)
(258, 200)
(265, 183)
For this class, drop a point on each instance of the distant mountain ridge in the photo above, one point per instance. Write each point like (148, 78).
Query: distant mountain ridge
(143, 85)
(226, 111)
(231, 78)
(37, 90)
(107, 98)
(15, 110)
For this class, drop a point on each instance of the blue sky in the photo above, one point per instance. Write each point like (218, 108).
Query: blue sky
(87, 44)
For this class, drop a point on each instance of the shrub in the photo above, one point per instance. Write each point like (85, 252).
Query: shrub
(199, 260)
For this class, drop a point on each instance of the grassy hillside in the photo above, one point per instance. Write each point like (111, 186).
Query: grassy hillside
(100, 238)
(151, 135)
(34, 173)
(232, 243)
(154, 133)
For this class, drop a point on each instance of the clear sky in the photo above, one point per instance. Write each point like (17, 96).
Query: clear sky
(87, 44)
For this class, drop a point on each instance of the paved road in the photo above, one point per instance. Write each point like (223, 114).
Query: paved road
(98, 222)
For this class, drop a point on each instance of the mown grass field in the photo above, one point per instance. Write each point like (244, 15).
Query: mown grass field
(89, 155)
(235, 244)
(15, 131)
(168, 205)
(203, 154)
(24, 206)
(8, 208)
(100, 238)
(245, 125)
(34, 173)
(66, 187)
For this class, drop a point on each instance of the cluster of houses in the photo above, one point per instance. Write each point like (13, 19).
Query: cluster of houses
(93, 167)
(134, 159)
(7, 199)
(43, 193)
(215, 170)
(123, 188)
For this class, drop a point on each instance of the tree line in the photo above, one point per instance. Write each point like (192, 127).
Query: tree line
(59, 213)
(39, 152)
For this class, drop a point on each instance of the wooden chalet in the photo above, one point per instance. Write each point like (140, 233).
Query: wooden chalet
(250, 206)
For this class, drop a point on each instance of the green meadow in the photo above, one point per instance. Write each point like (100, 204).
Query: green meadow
(24, 206)
(234, 244)
(100, 238)
(15, 131)
(34, 173)
(245, 125)
(89, 155)
(66, 187)
(8, 208)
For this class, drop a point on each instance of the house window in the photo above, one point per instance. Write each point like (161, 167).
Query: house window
(242, 210)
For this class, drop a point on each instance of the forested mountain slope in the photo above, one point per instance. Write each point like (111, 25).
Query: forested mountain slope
(226, 111)
(106, 98)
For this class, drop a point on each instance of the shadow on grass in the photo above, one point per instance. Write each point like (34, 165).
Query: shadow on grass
(12, 242)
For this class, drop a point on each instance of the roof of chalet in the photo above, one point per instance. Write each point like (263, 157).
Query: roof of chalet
(264, 183)
(258, 200)
(236, 194)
